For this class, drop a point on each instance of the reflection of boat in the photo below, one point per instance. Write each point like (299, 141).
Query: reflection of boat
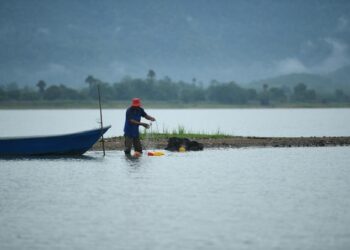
(67, 144)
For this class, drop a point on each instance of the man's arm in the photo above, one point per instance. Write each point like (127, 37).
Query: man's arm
(150, 118)
(139, 123)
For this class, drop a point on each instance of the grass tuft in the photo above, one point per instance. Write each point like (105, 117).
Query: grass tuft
(181, 132)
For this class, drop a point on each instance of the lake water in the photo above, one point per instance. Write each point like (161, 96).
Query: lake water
(252, 122)
(263, 198)
(248, 198)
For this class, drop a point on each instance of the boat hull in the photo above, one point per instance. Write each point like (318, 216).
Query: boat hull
(57, 145)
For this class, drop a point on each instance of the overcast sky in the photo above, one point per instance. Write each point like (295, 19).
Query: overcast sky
(64, 41)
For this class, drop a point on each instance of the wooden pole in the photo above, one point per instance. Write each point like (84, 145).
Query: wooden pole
(101, 120)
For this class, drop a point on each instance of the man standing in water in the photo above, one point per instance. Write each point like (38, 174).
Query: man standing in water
(131, 127)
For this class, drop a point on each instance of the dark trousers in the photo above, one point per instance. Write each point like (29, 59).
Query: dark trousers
(130, 142)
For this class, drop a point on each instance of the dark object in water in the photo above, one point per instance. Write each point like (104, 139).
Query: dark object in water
(174, 143)
(67, 144)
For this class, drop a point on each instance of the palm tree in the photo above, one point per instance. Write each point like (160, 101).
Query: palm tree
(151, 75)
(91, 81)
(41, 85)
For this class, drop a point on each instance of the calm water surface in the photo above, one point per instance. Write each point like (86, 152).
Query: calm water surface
(253, 122)
(295, 198)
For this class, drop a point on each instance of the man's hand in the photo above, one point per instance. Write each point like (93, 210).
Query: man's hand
(145, 125)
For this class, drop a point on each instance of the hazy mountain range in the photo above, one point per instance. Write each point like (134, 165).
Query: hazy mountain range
(65, 41)
(328, 83)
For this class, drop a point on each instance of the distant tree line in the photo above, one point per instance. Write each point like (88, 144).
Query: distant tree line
(167, 90)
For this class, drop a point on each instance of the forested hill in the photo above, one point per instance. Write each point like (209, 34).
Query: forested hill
(328, 83)
(341, 77)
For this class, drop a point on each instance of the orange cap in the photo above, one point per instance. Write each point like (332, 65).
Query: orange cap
(136, 102)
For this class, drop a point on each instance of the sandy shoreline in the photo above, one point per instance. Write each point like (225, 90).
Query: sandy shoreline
(117, 143)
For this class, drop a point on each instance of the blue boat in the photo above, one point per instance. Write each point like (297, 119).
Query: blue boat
(56, 145)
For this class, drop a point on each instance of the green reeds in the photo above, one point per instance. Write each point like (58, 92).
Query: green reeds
(182, 132)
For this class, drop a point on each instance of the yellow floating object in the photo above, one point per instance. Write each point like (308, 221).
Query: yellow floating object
(155, 153)
(182, 149)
